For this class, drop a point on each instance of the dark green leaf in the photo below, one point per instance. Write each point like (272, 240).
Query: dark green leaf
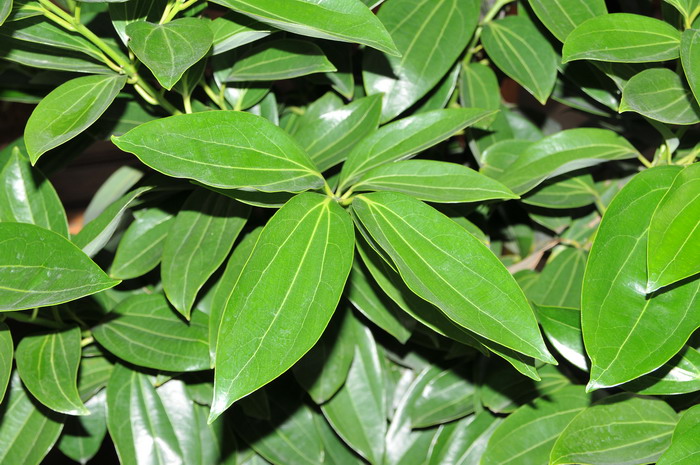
(181, 413)
(6, 355)
(440, 96)
(336, 452)
(235, 30)
(115, 187)
(690, 57)
(572, 191)
(479, 87)
(559, 284)
(125, 13)
(464, 442)
(83, 436)
(5, 10)
(562, 326)
(41, 56)
(93, 375)
(680, 375)
(561, 17)
(440, 396)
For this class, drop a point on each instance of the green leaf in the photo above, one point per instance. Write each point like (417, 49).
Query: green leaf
(562, 152)
(464, 441)
(41, 56)
(357, 412)
(48, 365)
(274, 317)
(83, 436)
(572, 191)
(528, 435)
(93, 375)
(137, 421)
(404, 138)
(562, 326)
(5, 10)
(680, 375)
(145, 331)
(180, 410)
(479, 88)
(169, 49)
(234, 30)
(26, 196)
(125, 13)
(27, 432)
(280, 59)
(433, 181)
(498, 157)
(690, 57)
(440, 96)
(194, 148)
(672, 252)
(436, 258)
(324, 368)
(336, 452)
(198, 242)
(439, 396)
(7, 349)
(559, 284)
(662, 95)
(141, 248)
(342, 20)
(69, 110)
(39, 268)
(688, 8)
(561, 17)
(328, 136)
(523, 53)
(617, 429)
(620, 321)
(622, 38)
(685, 445)
(115, 187)
(430, 37)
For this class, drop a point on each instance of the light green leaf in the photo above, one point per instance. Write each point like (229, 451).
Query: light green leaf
(215, 149)
(40, 268)
(617, 429)
(125, 13)
(572, 191)
(620, 321)
(169, 49)
(198, 242)
(404, 138)
(464, 442)
(83, 436)
(5, 10)
(280, 59)
(436, 258)
(562, 326)
(672, 249)
(27, 432)
(688, 8)
(68, 110)
(430, 37)
(433, 181)
(26, 196)
(685, 445)
(622, 38)
(528, 435)
(559, 284)
(443, 395)
(561, 17)
(523, 53)
(274, 317)
(690, 57)
(662, 95)
(234, 30)
(145, 331)
(680, 375)
(137, 421)
(48, 365)
(41, 56)
(6, 355)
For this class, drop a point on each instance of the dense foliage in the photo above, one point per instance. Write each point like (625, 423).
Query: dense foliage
(337, 243)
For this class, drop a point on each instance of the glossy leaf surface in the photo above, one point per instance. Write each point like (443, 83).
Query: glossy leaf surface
(562, 17)
(690, 57)
(562, 326)
(234, 30)
(444, 396)
(680, 375)
(685, 445)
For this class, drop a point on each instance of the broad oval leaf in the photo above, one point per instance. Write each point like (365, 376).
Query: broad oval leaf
(620, 321)
(662, 95)
(48, 365)
(685, 444)
(528, 435)
(39, 268)
(146, 331)
(83, 436)
(198, 242)
(275, 316)
(68, 110)
(561, 16)
(214, 148)
(523, 53)
(433, 181)
(169, 49)
(447, 266)
(430, 37)
(690, 57)
(342, 20)
(618, 429)
(7, 350)
(622, 38)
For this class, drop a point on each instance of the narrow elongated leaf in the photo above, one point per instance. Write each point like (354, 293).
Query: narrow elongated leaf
(519, 50)
(213, 148)
(43, 57)
(464, 441)
(145, 331)
(479, 87)
(83, 436)
(680, 375)
(690, 57)
(48, 365)
(419, 29)
(528, 435)
(622, 38)
(617, 429)
(662, 95)
(406, 137)
(69, 110)
(433, 181)
(562, 326)
(358, 411)
(40, 268)
(618, 317)
(561, 17)
(198, 242)
(26, 196)
(234, 30)
(137, 421)
(115, 187)
(6, 355)
(457, 285)
(565, 192)
(311, 236)
(672, 250)
(27, 432)
(170, 49)
(444, 395)
(685, 444)
(336, 452)
(559, 284)
(5, 10)
(180, 409)
(688, 8)
(343, 20)
(563, 152)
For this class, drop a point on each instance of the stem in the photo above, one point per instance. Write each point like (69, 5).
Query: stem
(488, 17)
(212, 95)
(174, 9)
(327, 189)
(644, 161)
(187, 103)
(87, 341)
